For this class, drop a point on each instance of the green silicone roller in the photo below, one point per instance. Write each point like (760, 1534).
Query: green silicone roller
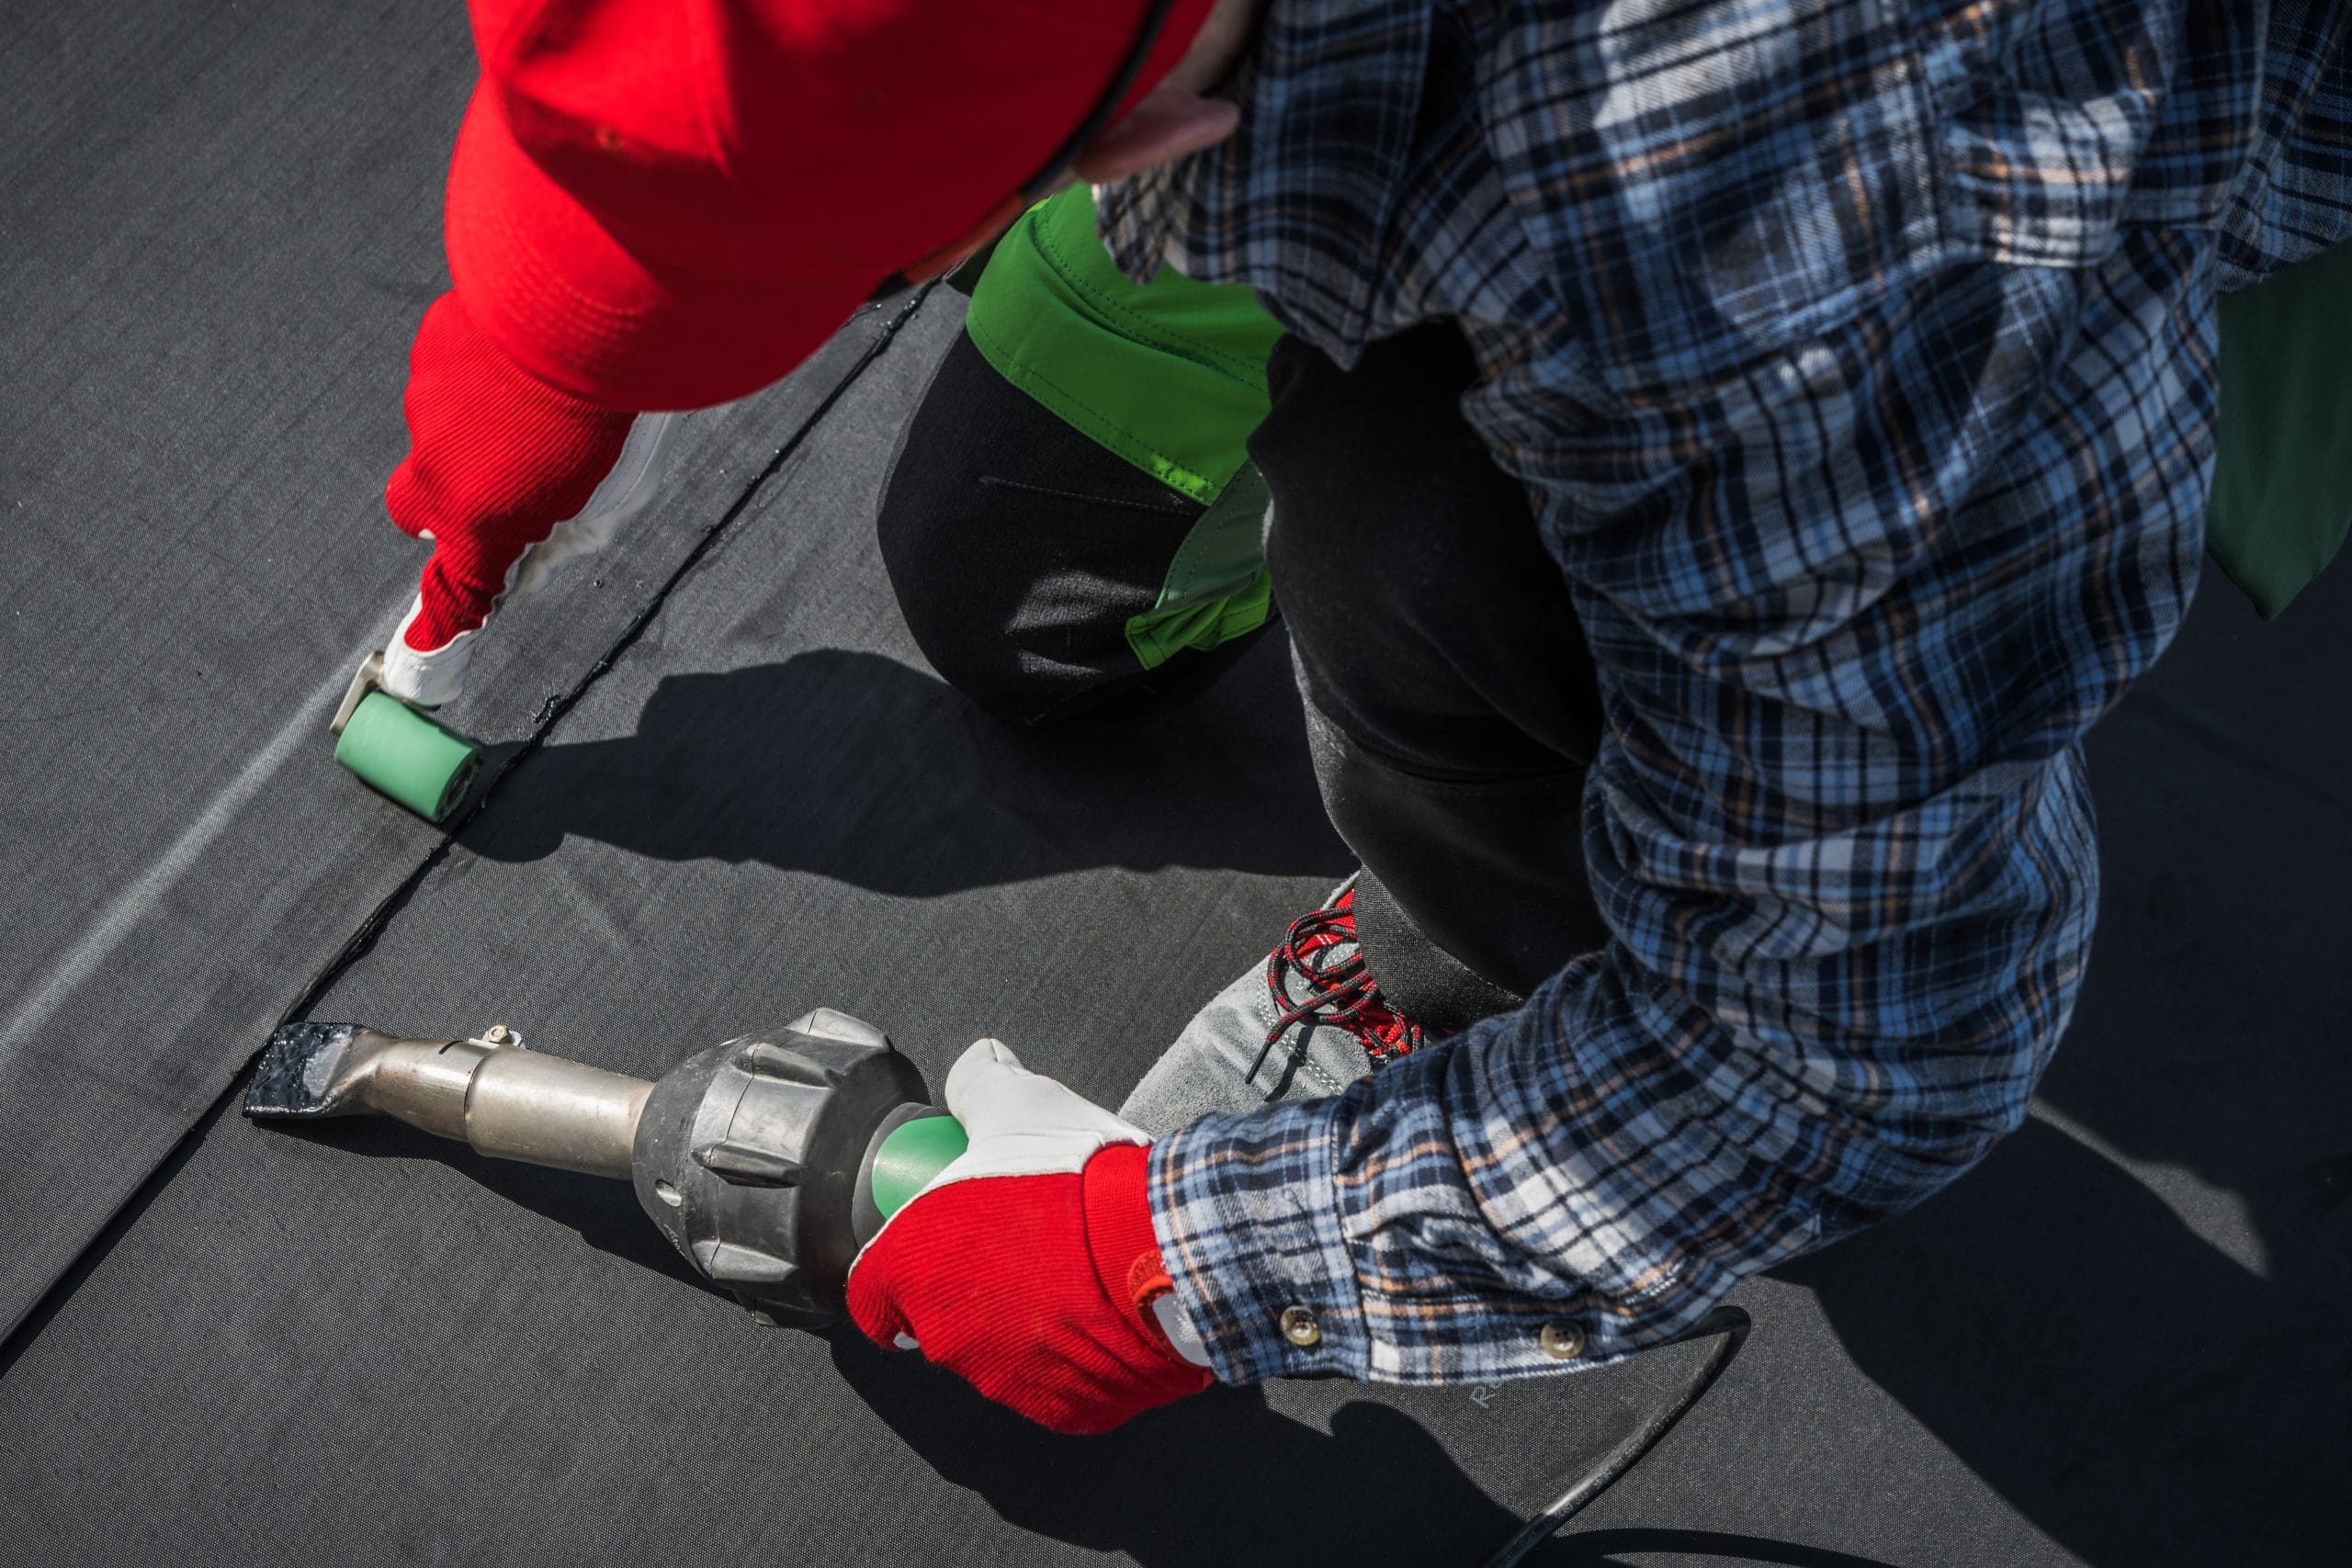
(398, 751)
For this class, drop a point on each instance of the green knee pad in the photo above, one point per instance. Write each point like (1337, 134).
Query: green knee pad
(2282, 479)
(1170, 376)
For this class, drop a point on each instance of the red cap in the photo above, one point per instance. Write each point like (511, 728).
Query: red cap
(661, 204)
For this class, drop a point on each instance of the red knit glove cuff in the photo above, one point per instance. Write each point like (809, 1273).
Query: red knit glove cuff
(1118, 1232)
(496, 459)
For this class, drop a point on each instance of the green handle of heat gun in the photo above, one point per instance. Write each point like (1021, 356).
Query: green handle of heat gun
(914, 1152)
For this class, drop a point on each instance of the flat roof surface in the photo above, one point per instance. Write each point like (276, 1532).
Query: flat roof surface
(2121, 1341)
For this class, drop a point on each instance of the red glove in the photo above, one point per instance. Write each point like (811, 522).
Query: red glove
(1028, 1266)
(506, 476)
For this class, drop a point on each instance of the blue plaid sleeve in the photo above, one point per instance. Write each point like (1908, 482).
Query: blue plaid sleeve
(1859, 357)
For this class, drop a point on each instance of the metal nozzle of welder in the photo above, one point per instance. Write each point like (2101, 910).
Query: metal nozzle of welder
(507, 1101)
(768, 1161)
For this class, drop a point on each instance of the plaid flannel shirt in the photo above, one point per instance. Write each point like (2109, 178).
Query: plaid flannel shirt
(1859, 356)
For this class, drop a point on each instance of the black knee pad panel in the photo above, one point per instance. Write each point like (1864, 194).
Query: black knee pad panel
(1020, 549)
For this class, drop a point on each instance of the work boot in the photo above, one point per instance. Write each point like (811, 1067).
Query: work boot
(1307, 1022)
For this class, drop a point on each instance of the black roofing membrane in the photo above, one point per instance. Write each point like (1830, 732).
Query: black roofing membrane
(2120, 1341)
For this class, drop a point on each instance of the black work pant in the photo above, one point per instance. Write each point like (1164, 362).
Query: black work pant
(1450, 705)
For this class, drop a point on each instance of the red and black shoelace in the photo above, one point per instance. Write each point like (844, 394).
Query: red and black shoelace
(1340, 992)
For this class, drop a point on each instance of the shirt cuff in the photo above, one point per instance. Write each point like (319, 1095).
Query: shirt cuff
(1249, 1225)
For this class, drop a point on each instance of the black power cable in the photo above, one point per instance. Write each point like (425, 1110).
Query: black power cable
(1727, 1326)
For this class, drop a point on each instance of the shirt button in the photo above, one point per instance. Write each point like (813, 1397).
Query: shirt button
(1562, 1340)
(1300, 1328)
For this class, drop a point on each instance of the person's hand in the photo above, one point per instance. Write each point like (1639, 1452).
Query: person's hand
(1028, 1266)
(506, 478)
(1176, 116)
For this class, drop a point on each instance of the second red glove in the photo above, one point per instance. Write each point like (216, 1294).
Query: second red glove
(1032, 1271)
(506, 475)
(496, 459)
